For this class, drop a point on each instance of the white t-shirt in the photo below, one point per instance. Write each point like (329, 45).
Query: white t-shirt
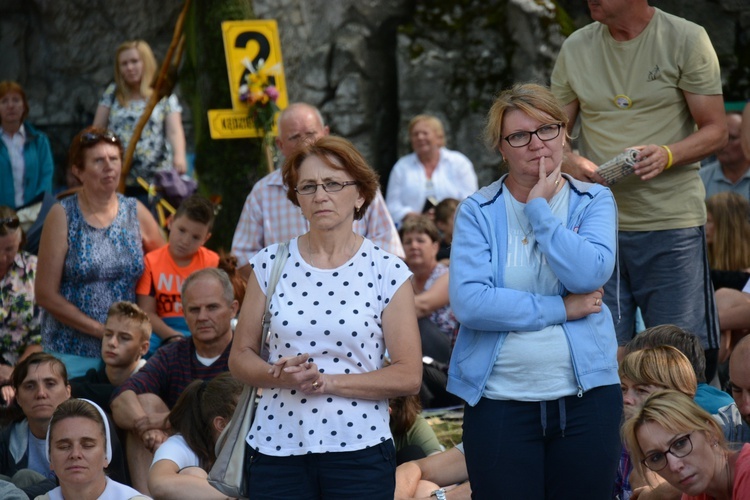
(335, 316)
(176, 449)
(113, 491)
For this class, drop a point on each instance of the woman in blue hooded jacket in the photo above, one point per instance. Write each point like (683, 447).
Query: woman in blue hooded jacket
(535, 357)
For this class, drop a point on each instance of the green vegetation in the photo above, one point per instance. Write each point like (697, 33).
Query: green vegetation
(227, 169)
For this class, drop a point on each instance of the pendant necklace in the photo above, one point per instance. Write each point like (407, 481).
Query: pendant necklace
(526, 234)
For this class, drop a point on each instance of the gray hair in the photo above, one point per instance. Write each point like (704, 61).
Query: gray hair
(219, 275)
(300, 105)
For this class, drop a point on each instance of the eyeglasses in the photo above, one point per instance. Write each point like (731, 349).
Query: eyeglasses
(681, 447)
(10, 222)
(544, 133)
(328, 187)
(91, 138)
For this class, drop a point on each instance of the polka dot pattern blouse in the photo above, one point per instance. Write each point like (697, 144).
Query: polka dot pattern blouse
(335, 315)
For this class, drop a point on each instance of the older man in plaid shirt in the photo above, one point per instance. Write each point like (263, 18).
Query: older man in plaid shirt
(269, 217)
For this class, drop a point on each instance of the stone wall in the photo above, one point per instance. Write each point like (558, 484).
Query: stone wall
(370, 65)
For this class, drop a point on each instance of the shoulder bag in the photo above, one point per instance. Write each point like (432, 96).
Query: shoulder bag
(228, 472)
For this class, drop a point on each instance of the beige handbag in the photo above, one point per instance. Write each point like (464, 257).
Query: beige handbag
(228, 472)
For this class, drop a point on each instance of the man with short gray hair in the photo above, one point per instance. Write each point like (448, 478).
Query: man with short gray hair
(141, 404)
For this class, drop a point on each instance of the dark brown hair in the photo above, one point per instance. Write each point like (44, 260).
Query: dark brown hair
(672, 335)
(196, 408)
(197, 209)
(404, 412)
(22, 368)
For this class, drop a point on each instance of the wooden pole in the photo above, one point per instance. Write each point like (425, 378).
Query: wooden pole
(162, 87)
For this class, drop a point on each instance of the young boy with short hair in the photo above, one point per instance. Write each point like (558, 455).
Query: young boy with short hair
(126, 338)
(158, 290)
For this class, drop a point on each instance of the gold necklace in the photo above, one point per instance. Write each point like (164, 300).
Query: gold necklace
(525, 239)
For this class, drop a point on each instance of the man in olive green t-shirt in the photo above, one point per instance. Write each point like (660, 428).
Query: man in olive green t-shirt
(639, 77)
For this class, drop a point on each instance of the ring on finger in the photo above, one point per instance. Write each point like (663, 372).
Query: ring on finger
(315, 385)
(597, 302)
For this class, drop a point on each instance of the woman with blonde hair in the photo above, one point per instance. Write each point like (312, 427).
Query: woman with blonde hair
(728, 232)
(121, 107)
(728, 241)
(420, 180)
(535, 358)
(649, 370)
(675, 438)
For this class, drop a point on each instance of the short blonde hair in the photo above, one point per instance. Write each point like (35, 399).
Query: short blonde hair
(674, 412)
(434, 122)
(127, 310)
(663, 365)
(533, 99)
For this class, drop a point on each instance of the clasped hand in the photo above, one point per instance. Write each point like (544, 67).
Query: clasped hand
(299, 373)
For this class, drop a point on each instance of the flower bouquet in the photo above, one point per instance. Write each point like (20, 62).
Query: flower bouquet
(260, 94)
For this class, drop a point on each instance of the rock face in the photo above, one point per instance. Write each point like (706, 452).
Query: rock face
(370, 65)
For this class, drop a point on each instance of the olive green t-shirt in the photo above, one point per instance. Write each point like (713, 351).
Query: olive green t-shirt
(631, 93)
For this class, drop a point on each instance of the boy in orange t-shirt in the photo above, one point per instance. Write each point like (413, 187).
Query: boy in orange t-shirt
(158, 290)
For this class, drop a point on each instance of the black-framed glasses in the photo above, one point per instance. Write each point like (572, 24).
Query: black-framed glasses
(544, 133)
(10, 222)
(91, 138)
(328, 187)
(681, 447)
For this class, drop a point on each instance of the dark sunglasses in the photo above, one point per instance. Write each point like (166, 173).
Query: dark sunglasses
(91, 138)
(10, 222)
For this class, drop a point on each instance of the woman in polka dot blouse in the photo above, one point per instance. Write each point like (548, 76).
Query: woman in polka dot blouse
(321, 428)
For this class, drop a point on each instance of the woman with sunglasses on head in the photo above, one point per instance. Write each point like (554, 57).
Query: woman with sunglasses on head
(26, 165)
(535, 358)
(121, 107)
(20, 333)
(91, 252)
(677, 439)
(322, 426)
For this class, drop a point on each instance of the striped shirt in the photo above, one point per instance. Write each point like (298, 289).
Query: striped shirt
(171, 369)
(269, 217)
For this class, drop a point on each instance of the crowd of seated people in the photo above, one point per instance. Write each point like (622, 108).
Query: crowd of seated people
(141, 369)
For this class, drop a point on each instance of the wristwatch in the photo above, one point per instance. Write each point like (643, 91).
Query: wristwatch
(439, 494)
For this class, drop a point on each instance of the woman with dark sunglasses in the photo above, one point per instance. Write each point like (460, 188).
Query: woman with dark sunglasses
(26, 165)
(91, 252)
(19, 314)
(677, 439)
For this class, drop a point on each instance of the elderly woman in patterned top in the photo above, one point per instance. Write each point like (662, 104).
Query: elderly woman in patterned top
(19, 315)
(91, 252)
(322, 427)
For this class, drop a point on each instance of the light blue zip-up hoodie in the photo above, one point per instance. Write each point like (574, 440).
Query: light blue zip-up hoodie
(582, 257)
